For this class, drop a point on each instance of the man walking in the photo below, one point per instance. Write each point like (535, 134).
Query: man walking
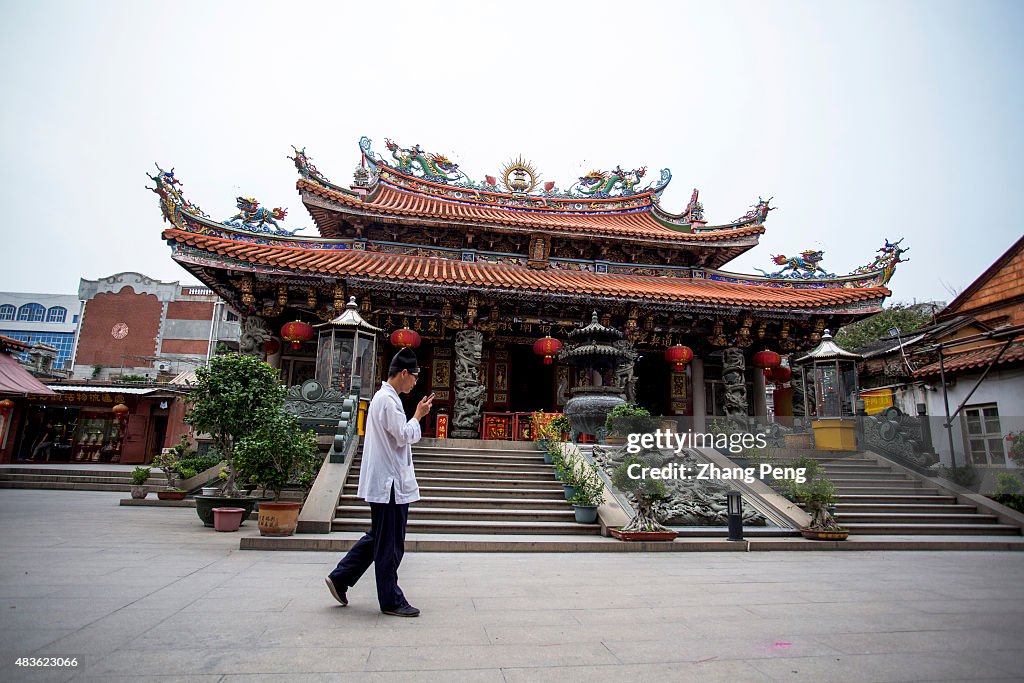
(387, 481)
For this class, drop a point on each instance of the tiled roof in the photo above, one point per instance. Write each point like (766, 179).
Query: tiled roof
(437, 271)
(387, 200)
(974, 359)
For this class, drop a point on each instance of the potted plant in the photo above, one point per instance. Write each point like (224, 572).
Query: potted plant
(542, 429)
(627, 418)
(817, 494)
(139, 477)
(589, 493)
(279, 452)
(167, 461)
(560, 427)
(234, 395)
(644, 526)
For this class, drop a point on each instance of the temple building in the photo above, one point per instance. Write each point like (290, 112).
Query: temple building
(491, 276)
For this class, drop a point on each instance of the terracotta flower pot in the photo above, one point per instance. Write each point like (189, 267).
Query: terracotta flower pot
(278, 519)
(819, 535)
(170, 495)
(227, 519)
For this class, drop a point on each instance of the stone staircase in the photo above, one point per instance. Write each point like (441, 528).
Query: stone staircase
(874, 498)
(74, 476)
(475, 490)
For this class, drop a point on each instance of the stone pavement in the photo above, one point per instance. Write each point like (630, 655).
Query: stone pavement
(139, 593)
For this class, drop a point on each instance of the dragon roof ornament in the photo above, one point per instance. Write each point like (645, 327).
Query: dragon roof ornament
(807, 266)
(251, 217)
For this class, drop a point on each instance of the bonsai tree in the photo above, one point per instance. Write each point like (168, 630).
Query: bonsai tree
(167, 460)
(235, 396)
(278, 453)
(645, 491)
(627, 418)
(817, 494)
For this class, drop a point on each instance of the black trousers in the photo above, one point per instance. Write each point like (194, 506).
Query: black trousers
(384, 547)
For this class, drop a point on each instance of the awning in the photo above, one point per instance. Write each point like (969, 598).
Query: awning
(140, 391)
(15, 379)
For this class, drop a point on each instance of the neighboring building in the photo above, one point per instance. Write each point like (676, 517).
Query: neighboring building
(135, 325)
(16, 385)
(49, 319)
(483, 270)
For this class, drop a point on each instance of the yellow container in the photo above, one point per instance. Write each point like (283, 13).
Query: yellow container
(835, 435)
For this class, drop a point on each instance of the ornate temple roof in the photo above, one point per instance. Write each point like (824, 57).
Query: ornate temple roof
(418, 185)
(283, 255)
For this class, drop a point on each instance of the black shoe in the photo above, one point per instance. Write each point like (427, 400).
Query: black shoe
(403, 611)
(339, 595)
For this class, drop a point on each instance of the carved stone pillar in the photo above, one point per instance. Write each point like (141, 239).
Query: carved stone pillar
(254, 333)
(735, 384)
(700, 407)
(469, 392)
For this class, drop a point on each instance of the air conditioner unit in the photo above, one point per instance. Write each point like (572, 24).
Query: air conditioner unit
(163, 367)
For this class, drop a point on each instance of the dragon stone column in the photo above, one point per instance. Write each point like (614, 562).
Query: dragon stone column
(735, 384)
(469, 392)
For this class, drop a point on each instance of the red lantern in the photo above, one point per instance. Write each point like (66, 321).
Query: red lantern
(296, 333)
(767, 359)
(679, 356)
(547, 347)
(120, 412)
(405, 338)
(271, 346)
(780, 375)
(6, 406)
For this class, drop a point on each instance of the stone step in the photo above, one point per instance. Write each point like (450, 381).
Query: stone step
(516, 502)
(454, 463)
(914, 518)
(477, 527)
(476, 452)
(865, 474)
(857, 480)
(429, 472)
(877, 491)
(479, 492)
(921, 496)
(934, 529)
(65, 472)
(567, 514)
(63, 486)
(82, 479)
(844, 508)
(484, 483)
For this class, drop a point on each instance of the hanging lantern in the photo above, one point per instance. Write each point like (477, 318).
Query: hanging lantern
(547, 347)
(679, 356)
(405, 338)
(780, 375)
(271, 347)
(767, 359)
(296, 333)
(120, 412)
(6, 406)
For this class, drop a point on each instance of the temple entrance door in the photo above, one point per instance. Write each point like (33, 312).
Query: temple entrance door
(652, 384)
(531, 384)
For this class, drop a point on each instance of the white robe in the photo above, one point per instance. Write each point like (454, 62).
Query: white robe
(387, 450)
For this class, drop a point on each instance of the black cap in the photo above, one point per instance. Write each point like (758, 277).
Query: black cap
(404, 360)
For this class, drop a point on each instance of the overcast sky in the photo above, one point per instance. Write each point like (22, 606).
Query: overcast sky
(864, 120)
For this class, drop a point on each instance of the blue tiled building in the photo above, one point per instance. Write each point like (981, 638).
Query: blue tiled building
(47, 318)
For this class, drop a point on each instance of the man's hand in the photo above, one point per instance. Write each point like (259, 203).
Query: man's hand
(424, 406)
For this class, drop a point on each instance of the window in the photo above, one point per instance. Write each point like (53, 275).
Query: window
(230, 315)
(57, 314)
(7, 312)
(32, 313)
(984, 436)
(62, 341)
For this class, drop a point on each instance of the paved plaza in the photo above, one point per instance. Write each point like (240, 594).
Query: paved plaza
(139, 593)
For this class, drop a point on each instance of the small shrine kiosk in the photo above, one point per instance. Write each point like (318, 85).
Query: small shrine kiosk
(482, 270)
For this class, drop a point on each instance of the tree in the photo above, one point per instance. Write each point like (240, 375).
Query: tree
(277, 453)
(234, 397)
(905, 317)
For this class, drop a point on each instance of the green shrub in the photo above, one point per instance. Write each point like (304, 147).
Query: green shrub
(140, 475)
(627, 418)
(589, 485)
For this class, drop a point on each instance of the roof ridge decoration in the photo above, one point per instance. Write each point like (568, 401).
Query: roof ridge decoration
(305, 167)
(172, 200)
(518, 177)
(252, 217)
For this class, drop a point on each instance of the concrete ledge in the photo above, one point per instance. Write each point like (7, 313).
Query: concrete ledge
(157, 503)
